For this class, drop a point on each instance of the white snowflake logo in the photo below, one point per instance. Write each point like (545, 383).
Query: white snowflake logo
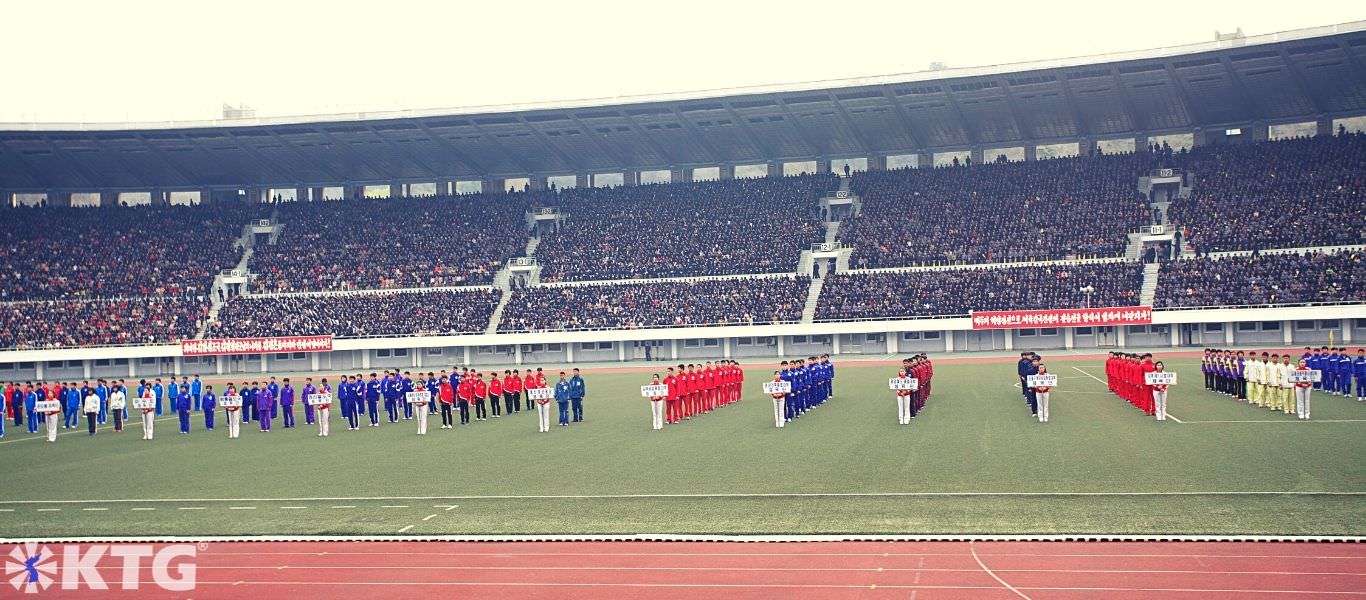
(30, 568)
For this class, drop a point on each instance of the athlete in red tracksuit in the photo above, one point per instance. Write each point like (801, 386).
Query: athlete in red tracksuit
(1145, 390)
(673, 411)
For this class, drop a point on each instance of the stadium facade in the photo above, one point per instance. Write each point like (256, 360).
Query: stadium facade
(1306, 82)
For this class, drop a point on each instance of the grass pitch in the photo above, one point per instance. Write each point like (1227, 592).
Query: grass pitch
(974, 462)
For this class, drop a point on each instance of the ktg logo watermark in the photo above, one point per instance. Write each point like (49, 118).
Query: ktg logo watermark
(32, 567)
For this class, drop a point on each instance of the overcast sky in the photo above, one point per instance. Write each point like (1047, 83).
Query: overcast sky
(136, 60)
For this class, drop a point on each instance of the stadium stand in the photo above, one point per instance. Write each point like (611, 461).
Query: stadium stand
(744, 301)
(896, 294)
(67, 323)
(117, 252)
(358, 315)
(1037, 210)
(1261, 279)
(685, 229)
(1282, 194)
(393, 243)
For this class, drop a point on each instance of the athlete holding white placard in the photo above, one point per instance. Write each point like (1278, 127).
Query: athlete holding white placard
(1303, 378)
(1043, 385)
(778, 392)
(656, 393)
(1159, 392)
(322, 403)
(419, 398)
(902, 388)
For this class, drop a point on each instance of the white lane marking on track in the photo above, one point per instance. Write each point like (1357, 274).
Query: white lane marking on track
(395, 506)
(293, 507)
(95, 508)
(429, 517)
(973, 549)
(142, 508)
(241, 508)
(405, 528)
(1102, 382)
(1289, 421)
(345, 506)
(737, 495)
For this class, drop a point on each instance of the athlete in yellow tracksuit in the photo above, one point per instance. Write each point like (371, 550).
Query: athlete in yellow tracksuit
(1287, 390)
(1273, 383)
(1256, 380)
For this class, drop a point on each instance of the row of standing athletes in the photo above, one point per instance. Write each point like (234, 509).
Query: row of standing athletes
(470, 392)
(695, 389)
(1264, 380)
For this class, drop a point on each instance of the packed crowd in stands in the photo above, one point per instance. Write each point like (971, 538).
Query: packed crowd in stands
(117, 252)
(755, 300)
(1047, 209)
(1282, 194)
(357, 315)
(960, 291)
(392, 243)
(1263, 279)
(685, 229)
(66, 323)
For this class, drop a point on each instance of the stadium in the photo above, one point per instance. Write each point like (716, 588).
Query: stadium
(592, 348)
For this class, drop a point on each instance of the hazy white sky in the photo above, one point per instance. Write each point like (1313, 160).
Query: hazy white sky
(143, 60)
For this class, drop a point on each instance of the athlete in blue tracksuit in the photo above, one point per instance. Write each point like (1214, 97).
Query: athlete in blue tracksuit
(785, 373)
(354, 395)
(562, 399)
(392, 388)
(208, 404)
(433, 386)
(71, 403)
(159, 392)
(1315, 362)
(30, 399)
(197, 392)
(102, 392)
(372, 389)
(577, 388)
(183, 403)
(1345, 370)
(1359, 370)
(403, 396)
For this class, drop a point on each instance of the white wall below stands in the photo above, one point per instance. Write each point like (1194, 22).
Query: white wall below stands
(1262, 326)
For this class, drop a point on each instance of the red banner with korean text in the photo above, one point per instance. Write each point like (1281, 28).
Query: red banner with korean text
(312, 343)
(1062, 317)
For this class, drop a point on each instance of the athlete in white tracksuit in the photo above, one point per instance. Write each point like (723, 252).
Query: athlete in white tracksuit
(656, 407)
(903, 402)
(148, 414)
(1302, 391)
(1159, 395)
(779, 404)
(1042, 394)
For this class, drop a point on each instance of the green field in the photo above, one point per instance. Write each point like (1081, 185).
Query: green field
(973, 463)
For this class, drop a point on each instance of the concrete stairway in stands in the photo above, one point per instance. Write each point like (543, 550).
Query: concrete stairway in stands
(1148, 292)
(813, 295)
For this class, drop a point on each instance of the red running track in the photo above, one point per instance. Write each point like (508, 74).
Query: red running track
(743, 571)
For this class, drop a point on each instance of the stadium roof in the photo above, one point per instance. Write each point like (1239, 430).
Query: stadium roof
(1298, 75)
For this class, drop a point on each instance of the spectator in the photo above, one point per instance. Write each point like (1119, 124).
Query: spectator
(1037, 210)
(393, 243)
(1263, 279)
(1283, 194)
(748, 301)
(117, 252)
(685, 229)
(437, 312)
(44, 324)
(961, 291)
